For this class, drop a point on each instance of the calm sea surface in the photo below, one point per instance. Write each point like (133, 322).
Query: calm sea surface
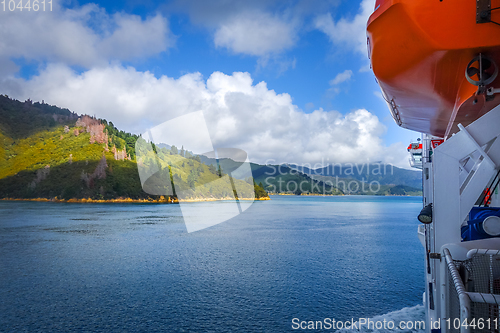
(134, 268)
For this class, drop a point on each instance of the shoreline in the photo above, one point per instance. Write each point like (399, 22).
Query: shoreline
(344, 194)
(130, 200)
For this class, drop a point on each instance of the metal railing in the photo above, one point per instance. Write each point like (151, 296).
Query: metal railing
(474, 305)
(415, 161)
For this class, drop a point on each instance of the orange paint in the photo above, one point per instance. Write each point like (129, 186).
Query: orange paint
(419, 52)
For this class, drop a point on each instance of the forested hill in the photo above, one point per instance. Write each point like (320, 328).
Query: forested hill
(53, 153)
(385, 174)
(363, 179)
(20, 120)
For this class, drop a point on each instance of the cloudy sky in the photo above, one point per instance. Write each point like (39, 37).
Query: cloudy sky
(287, 81)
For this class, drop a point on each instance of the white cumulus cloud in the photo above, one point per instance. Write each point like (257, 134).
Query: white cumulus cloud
(341, 77)
(255, 33)
(239, 113)
(350, 32)
(262, 28)
(86, 36)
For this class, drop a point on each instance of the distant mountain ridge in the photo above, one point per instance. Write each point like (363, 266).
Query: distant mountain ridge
(385, 174)
(348, 178)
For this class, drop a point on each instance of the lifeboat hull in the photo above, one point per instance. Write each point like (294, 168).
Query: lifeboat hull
(419, 52)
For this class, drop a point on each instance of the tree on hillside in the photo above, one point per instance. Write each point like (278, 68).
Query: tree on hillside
(172, 180)
(200, 169)
(191, 180)
(260, 192)
(212, 169)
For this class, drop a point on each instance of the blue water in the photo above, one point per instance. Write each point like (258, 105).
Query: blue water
(134, 268)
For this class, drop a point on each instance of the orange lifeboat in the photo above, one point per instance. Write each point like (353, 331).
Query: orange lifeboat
(436, 61)
(415, 147)
(415, 150)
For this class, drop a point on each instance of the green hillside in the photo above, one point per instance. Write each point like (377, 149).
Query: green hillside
(384, 174)
(278, 179)
(283, 179)
(49, 152)
(363, 187)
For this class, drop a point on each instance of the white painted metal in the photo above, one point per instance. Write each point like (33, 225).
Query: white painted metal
(472, 252)
(462, 293)
(421, 234)
(454, 177)
(492, 91)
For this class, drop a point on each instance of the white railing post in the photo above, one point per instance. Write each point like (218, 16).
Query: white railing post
(462, 293)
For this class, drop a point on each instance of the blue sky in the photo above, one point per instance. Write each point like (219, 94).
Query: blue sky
(287, 81)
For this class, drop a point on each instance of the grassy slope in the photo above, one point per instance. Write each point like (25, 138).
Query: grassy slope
(47, 148)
